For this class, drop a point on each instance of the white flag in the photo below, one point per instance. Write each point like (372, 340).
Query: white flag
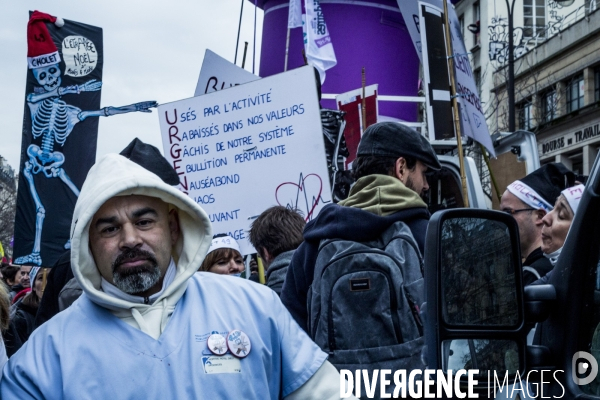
(317, 42)
(472, 115)
(295, 14)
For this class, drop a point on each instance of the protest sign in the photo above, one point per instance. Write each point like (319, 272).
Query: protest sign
(351, 103)
(217, 74)
(253, 146)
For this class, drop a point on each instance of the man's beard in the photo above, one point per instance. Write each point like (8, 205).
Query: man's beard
(410, 184)
(135, 279)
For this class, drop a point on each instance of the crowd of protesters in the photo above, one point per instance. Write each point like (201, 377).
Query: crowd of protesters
(144, 253)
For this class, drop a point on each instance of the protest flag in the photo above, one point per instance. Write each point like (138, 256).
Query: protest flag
(317, 42)
(60, 129)
(294, 21)
(295, 14)
(64, 77)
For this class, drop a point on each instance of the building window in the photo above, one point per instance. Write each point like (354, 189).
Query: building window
(575, 94)
(461, 23)
(477, 78)
(534, 18)
(549, 106)
(525, 117)
(597, 84)
(577, 163)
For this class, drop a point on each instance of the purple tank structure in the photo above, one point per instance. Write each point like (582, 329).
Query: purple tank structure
(369, 34)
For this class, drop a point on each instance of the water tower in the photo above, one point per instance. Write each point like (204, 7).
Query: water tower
(369, 34)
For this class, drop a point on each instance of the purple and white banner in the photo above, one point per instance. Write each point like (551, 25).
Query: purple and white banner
(317, 42)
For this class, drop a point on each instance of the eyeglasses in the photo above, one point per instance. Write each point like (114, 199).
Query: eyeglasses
(513, 212)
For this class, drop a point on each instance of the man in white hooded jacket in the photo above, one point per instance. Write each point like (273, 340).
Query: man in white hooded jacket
(141, 328)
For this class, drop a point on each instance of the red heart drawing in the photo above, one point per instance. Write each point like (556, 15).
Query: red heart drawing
(301, 194)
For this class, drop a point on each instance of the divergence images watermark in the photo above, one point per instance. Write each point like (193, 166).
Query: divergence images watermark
(430, 383)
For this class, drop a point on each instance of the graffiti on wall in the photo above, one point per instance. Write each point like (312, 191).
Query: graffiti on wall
(557, 17)
(498, 37)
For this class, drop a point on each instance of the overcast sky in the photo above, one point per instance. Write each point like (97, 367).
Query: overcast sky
(153, 50)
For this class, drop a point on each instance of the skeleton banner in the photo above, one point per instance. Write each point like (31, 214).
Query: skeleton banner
(62, 101)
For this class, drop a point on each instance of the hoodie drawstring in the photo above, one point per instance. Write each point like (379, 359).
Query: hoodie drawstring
(165, 315)
(140, 320)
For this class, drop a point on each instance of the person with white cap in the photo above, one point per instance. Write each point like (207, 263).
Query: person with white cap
(528, 200)
(223, 256)
(558, 222)
(147, 325)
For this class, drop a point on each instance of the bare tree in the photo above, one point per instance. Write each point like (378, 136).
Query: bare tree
(8, 208)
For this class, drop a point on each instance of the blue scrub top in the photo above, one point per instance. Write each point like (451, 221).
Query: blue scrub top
(87, 352)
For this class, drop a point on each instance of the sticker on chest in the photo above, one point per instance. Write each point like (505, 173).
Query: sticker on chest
(221, 365)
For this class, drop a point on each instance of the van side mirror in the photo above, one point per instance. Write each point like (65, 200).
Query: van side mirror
(475, 313)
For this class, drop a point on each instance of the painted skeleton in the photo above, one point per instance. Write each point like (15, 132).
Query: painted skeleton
(53, 119)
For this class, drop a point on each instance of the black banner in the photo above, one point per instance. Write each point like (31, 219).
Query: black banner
(60, 128)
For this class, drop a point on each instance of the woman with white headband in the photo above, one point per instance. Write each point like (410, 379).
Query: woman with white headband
(558, 222)
(223, 256)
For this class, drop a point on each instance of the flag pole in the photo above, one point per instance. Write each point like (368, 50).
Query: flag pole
(261, 270)
(238, 35)
(244, 57)
(455, 105)
(364, 102)
(254, 44)
(287, 50)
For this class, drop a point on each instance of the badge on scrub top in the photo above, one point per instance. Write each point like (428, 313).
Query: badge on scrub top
(238, 343)
(217, 344)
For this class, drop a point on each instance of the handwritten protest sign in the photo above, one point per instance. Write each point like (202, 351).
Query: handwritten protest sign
(244, 149)
(217, 74)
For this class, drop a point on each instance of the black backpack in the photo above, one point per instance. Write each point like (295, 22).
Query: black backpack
(363, 304)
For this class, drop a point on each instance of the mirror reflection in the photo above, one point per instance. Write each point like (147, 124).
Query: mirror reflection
(499, 356)
(479, 286)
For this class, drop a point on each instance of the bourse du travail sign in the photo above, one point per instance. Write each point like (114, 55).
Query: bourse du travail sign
(559, 143)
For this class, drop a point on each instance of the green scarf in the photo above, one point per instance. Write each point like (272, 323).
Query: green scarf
(382, 195)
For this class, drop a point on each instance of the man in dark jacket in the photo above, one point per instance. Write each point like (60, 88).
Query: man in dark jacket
(528, 200)
(389, 169)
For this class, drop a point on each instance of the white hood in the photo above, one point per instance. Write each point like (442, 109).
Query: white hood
(115, 175)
